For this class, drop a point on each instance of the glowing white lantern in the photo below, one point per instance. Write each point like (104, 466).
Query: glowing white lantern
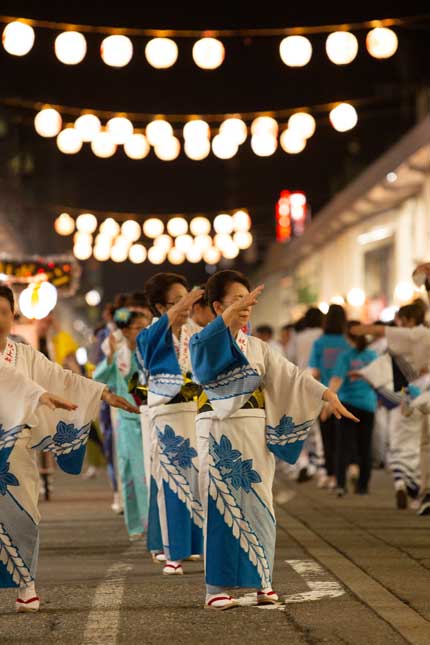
(119, 253)
(184, 243)
(338, 300)
(82, 251)
(156, 255)
(158, 130)
(165, 242)
(194, 254)
(93, 298)
(343, 117)
(241, 221)
(69, 141)
(223, 147)
(48, 122)
(263, 145)
(292, 142)
(136, 146)
(116, 51)
(86, 223)
(382, 42)
(88, 125)
(196, 129)
(82, 238)
(222, 240)
(102, 239)
(18, 38)
(177, 226)
(161, 53)
(70, 47)
(200, 225)
(341, 47)
(168, 149)
(404, 292)
(203, 242)
(302, 123)
(264, 126)
(37, 300)
(122, 242)
(137, 254)
(208, 53)
(230, 251)
(295, 51)
(120, 129)
(223, 223)
(101, 253)
(103, 146)
(153, 227)
(131, 230)
(356, 297)
(64, 224)
(197, 150)
(175, 256)
(323, 307)
(234, 129)
(109, 227)
(212, 255)
(243, 239)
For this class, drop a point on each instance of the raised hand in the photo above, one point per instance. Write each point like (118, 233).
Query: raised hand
(54, 402)
(184, 305)
(233, 310)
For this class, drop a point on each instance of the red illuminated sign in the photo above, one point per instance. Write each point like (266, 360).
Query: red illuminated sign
(291, 212)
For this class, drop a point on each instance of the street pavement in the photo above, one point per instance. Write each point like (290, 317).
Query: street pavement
(352, 570)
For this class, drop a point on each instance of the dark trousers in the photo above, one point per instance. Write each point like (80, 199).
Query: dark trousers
(354, 444)
(328, 435)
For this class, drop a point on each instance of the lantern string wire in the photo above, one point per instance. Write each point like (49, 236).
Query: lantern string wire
(403, 21)
(122, 216)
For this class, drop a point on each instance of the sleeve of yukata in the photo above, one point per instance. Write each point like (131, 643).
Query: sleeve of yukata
(110, 375)
(293, 401)
(222, 369)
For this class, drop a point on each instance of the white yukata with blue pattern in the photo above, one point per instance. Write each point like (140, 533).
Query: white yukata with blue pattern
(237, 448)
(24, 428)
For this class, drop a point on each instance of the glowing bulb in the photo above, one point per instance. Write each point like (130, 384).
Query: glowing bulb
(120, 129)
(86, 223)
(222, 240)
(175, 256)
(116, 51)
(243, 239)
(223, 223)
(165, 242)
(161, 53)
(18, 38)
(200, 225)
(234, 129)
(131, 230)
(203, 242)
(212, 255)
(184, 243)
(241, 221)
(382, 42)
(153, 227)
(69, 141)
(208, 53)
(264, 126)
(93, 298)
(295, 51)
(103, 146)
(223, 147)
(48, 122)
(177, 226)
(156, 255)
(230, 251)
(137, 254)
(343, 117)
(158, 130)
(292, 142)
(197, 150)
(88, 125)
(263, 145)
(64, 224)
(70, 47)
(341, 47)
(302, 123)
(109, 227)
(196, 129)
(82, 251)
(194, 254)
(82, 238)
(136, 146)
(168, 149)
(101, 253)
(118, 253)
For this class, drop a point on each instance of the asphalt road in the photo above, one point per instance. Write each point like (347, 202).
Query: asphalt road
(353, 570)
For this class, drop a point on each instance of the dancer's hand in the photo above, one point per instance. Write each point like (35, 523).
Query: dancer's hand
(184, 305)
(242, 305)
(116, 401)
(54, 402)
(336, 407)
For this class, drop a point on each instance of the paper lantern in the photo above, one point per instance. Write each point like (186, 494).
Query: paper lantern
(137, 254)
(223, 223)
(156, 255)
(223, 147)
(109, 227)
(136, 146)
(48, 122)
(69, 141)
(343, 117)
(203, 242)
(116, 51)
(103, 146)
(161, 53)
(382, 42)
(356, 297)
(70, 47)
(120, 129)
(86, 223)
(222, 240)
(175, 256)
(64, 224)
(194, 254)
(264, 126)
(88, 126)
(230, 250)
(37, 300)
(18, 38)
(302, 123)
(101, 253)
(168, 149)
(197, 150)
(93, 298)
(295, 51)
(119, 253)
(292, 142)
(200, 225)
(196, 129)
(153, 227)
(131, 230)
(177, 226)
(341, 47)
(234, 129)
(263, 145)
(158, 130)
(184, 243)
(82, 238)
(212, 255)
(208, 53)
(241, 221)
(243, 239)
(82, 251)
(165, 242)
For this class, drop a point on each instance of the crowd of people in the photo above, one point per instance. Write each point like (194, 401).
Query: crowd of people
(195, 411)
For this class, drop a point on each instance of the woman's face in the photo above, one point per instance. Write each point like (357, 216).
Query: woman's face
(234, 292)
(174, 294)
(6, 317)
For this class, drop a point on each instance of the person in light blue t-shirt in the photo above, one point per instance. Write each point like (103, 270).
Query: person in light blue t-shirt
(354, 441)
(324, 354)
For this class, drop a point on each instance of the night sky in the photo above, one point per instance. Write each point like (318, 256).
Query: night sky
(252, 78)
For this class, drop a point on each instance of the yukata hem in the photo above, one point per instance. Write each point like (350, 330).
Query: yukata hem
(243, 412)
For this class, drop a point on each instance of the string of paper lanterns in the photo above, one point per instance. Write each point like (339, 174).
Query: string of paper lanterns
(208, 52)
(175, 240)
(198, 139)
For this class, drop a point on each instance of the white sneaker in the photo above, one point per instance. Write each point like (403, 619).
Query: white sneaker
(220, 602)
(171, 569)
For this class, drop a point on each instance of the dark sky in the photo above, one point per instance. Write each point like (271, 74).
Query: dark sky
(251, 78)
